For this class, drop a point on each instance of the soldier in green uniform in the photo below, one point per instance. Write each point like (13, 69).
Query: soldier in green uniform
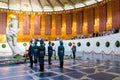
(61, 50)
(35, 51)
(41, 55)
(30, 54)
(50, 52)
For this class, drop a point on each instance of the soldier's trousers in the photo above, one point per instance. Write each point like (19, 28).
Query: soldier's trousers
(31, 60)
(41, 63)
(49, 59)
(35, 59)
(61, 58)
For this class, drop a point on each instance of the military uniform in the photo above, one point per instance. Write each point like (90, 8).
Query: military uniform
(61, 54)
(35, 52)
(50, 52)
(30, 54)
(41, 55)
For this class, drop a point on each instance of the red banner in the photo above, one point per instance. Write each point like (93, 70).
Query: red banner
(26, 25)
(116, 14)
(58, 24)
(79, 22)
(37, 25)
(69, 20)
(3, 23)
(91, 19)
(103, 17)
(48, 24)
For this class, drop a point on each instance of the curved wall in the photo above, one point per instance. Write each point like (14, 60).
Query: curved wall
(112, 49)
(63, 35)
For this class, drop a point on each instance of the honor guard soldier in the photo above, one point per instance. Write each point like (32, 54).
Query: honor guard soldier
(35, 51)
(61, 50)
(41, 55)
(50, 52)
(30, 54)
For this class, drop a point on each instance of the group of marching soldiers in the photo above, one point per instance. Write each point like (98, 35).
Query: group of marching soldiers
(38, 53)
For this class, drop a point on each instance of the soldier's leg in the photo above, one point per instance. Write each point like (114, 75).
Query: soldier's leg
(31, 61)
(35, 59)
(61, 64)
(41, 61)
(49, 59)
(61, 61)
(43, 64)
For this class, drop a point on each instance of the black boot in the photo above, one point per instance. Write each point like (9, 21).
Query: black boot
(41, 68)
(35, 61)
(31, 66)
(61, 64)
(49, 63)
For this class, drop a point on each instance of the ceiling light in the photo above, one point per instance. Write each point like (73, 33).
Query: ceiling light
(99, 0)
(90, 2)
(47, 9)
(68, 7)
(79, 5)
(57, 8)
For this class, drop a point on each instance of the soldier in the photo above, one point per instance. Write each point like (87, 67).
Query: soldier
(35, 51)
(41, 55)
(61, 50)
(30, 54)
(50, 52)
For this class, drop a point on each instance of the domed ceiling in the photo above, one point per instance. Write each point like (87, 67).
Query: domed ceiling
(45, 5)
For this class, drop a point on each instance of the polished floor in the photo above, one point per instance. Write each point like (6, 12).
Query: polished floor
(81, 70)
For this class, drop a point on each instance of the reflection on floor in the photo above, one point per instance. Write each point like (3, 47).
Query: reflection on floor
(81, 70)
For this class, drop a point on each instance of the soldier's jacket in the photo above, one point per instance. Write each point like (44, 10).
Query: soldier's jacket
(41, 51)
(50, 50)
(61, 50)
(30, 51)
(35, 50)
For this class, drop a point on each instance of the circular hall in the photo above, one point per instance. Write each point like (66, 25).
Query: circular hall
(60, 39)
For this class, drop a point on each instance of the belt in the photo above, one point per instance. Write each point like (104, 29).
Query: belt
(35, 49)
(61, 50)
(41, 51)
